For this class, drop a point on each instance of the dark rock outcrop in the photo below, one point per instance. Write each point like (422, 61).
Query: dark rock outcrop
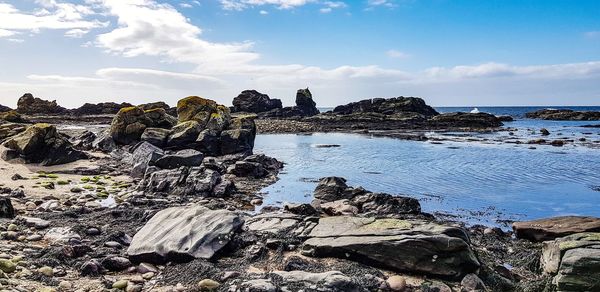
(103, 108)
(30, 105)
(11, 116)
(387, 106)
(4, 108)
(252, 101)
(6, 208)
(41, 143)
(551, 228)
(403, 245)
(129, 123)
(183, 233)
(305, 107)
(466, 120)
(564, 115)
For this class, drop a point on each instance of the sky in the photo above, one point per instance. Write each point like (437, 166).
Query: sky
(449, 52)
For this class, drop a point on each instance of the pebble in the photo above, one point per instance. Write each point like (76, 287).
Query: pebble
(144, 268)
(92, 231)
(12, 227)
(34, 237)
(396, 283)
(7, 266)
(30, 206)
(133, 287)
(256, 202)
(208, 284)
(46, 271)
(65, 285)
(112, 244)
(148, 275)
(120, 284)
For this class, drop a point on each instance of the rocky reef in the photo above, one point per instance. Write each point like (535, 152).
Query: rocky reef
(388, 106)
(564, 115)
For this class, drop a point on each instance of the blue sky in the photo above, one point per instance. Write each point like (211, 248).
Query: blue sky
(457, 52)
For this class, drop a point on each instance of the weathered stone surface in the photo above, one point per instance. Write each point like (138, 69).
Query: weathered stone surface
(184, 134)
(41, 143)
(184, 181)
(158, 118)
(11, 116)
(466, 120)
(29, 105)
(10, 129)
(195, 108)
(156, 136)
(183, 233)
(239, 137)
(186, 157)
(252, 101)
(305, 103)
(4, 109)
(326, 281)
(128, 125)
(6, 208)
(272, 222)
(551, 228)
(143, 156)
(564, 114)
(331, 189)
(412, 246)
(388, 106)
(575, 260)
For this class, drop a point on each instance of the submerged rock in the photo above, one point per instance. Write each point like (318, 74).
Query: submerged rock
(41, 143)
(252, 101)
(410, 246)
(551, 228)
(183, 233)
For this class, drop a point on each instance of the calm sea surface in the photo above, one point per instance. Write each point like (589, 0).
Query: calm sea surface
(483, 183)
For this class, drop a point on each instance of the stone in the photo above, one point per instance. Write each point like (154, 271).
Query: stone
(331, 189)
(12, 116)
(6, 208)
(36, 222)
(65, 286)
(61, 235)
(386, 204)
(252, 101)
(184, 181)
(564, 115)
(46, 271)
(120, 284)
(544, 131)
(332, 280)
(339, 207)
(90, 268)
(186, 157)
(8, 130)
(551, 228)
(246, 169)
(300, 209)
(41, 143)
(184, 134)
(7, 266)
(272, 222)
(29, 105)
(104, 142)
(116, 264)
(156, 136)
(195, 108)
(144, 268)
(388, 106)
(465, 120)
(208, 284)
(144, 154)
(396, 283)
(472, 283)
(258, 285)
(411, 246)
(305, 103)
(158, 118)
(128, 125)
(183, 233)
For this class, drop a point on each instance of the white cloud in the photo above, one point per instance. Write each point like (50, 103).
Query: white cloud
(52, 15)
(493, 70)
(263, 12)
(281, 4)
(397, 54)
(335, 4)
(186, 5)
(384, 3)
(16, 40)
(325, 10)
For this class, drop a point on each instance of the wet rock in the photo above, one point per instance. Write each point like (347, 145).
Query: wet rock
(411, 246)
(245, 169)
(183, 233)
(387, 106)
(156, 136)
(29, 105)
(186, 157)
(564, 115)
(116, 263)
(557, 143)
(466, 120)
(41, 143)
(300, 209)
(252, 101)
(551, 228)
(331, 189)
(103, 108)
(544, 131)
(6, 208)
(472, 283)
(505, 118)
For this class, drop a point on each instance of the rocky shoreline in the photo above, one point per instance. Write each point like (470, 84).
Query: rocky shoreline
(163, 202)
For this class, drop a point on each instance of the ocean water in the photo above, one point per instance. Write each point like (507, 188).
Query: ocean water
(484, 183)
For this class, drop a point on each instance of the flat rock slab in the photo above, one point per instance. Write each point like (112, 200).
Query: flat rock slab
(409, 246)
(551, 228)
(183, 233)
(574, 260)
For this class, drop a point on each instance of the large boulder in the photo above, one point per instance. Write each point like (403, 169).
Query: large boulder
(186, 157)
(158, 118)
(103, 108)
(564, 114)
(29, 105)
(466, 120)
(183, 181)
(156, 136)
(402, 245)
(387, 106)
(183, 233)
(128, 125)
(574, 260)
(252, 101)
(551, 228)
(195, 108)
(305, 103)
(331, 189)
(143, 155)
(41, 143)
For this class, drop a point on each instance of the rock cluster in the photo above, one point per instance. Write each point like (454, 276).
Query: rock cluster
(41, 143)
(564, 115)
(129, 123)
(102, 108)
(305, 105)
(30, 105)
(387, 106)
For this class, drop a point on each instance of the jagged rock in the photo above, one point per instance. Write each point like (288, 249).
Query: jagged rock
(411, 246)
(128, 125)
(10, 129)
(104, 142)
(103, 108)
(186, 157)
(158, 118)
(245, 168)
(564, 115)
(195, 108)
(387, 106)
(6, 208)
(551, 228)
(84, 141)
(331, 189)
(209, 142)
(184, 181)
(386, 204)
(183, 233)
(466, 120)
(239, 137)
(305, 103)
(156, 136)
(155, 105)
(29, 105)
(184, 134)
(144, 155)
(12, 116)
(575, 260)
(252, 101)
(41, 143)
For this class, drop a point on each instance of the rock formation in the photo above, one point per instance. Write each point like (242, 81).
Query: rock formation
(389, 106)
(252, 101)
(564, 115)
(30, 105)
(103, 108)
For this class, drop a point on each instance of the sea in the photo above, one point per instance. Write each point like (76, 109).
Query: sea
(472, 181)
